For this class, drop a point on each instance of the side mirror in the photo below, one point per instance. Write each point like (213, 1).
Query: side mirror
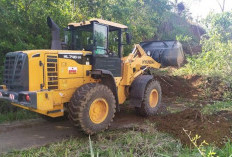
(128, 38)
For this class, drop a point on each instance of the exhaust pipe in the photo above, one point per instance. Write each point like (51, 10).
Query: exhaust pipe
(56, 43)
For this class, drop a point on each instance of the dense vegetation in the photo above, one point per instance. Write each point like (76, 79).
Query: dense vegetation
(216, 56)
(23, 25)
(23, 22)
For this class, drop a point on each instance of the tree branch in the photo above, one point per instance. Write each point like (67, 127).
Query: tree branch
(222, 6)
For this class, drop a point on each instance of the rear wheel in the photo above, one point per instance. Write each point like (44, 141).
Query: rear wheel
(152, 99)
(92, 107)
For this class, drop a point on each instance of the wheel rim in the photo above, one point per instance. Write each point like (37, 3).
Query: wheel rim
(154, 98)
(98, 110)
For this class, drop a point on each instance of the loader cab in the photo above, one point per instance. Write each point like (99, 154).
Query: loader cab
(103, 38)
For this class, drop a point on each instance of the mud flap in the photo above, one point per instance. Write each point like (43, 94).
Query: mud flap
(138, 88)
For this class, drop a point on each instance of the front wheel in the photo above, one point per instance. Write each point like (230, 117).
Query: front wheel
(92, 107)
(152, 99)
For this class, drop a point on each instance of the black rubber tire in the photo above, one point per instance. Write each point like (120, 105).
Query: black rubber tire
(146, 109)
(81, 101)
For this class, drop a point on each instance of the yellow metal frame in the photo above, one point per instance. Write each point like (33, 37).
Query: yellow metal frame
(54, 100)
(132, 68)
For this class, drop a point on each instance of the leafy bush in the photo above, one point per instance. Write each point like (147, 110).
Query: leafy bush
(216, 56)
(214, 62)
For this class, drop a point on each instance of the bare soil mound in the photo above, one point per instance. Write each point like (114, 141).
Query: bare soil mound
(212, 129)
(176, 86)
(193, 87)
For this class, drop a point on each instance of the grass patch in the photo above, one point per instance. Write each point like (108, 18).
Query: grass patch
(210, 151)
(10, 113)
(121, 143)
(20, 114)
(111, 143)
(216, 107)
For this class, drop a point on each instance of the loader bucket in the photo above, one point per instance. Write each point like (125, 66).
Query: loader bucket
(167, 53)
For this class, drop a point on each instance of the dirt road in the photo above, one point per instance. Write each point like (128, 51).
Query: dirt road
(28, 135)
(34, 133)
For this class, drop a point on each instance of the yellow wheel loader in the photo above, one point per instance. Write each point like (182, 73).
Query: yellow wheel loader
(85, 76)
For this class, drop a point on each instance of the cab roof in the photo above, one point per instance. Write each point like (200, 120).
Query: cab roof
(112, 25)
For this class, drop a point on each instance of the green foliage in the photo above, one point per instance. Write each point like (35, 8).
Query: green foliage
(219, 26)
(23, 23)
(9, 113)
(216, 107)
(214, 62)
(183, 38)
(226, 150)
(210, 151)
(5, 107)
(216, 56)
(17, 115)
(175, 26)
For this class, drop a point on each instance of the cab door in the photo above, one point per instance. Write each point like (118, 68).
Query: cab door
(101, 57)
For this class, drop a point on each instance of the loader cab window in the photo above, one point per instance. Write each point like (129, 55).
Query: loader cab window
(100, 39)
(80, 38)
(114, 43)
(83, 39)
(107, 40)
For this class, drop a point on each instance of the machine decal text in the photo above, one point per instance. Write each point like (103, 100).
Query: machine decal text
(147, 62)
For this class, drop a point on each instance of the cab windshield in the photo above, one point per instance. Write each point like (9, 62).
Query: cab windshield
(88, 38)
(80, 38)
(98, 38)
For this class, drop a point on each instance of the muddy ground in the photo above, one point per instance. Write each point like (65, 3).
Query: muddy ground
(35, 133)
(214, 129)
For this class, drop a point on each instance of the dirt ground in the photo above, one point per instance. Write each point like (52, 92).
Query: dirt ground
(173, 86)
(35, 133)
(214, 129)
